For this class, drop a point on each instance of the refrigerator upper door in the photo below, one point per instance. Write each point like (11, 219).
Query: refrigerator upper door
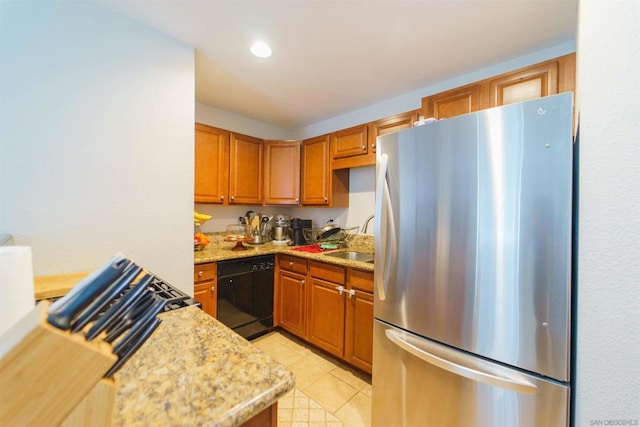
(417, 382)
(474, 238)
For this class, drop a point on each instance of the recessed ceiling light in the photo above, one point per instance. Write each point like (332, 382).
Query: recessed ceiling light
(261, 50)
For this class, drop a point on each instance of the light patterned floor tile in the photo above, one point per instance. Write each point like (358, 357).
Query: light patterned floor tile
(356, 412)
(356, 380)
(306, 372)
(330, 392)
(323, 385)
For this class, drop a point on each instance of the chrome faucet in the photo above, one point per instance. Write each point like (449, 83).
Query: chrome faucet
(366, 224)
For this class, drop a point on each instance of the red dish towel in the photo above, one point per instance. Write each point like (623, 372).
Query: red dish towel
(311, 248)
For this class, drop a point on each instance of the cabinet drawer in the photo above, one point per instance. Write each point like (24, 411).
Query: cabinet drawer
(291, 263)
(328, 272)
(359, 279)
(203, 272)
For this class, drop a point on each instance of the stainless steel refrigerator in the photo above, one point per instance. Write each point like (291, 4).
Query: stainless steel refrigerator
(473, 269)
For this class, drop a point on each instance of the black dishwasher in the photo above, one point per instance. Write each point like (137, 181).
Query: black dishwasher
(245, 295)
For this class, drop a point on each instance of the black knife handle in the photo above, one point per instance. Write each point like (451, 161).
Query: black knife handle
(128, 352)
(115, 312)
(62, 311)
(140, 325)
(106, 297)
(116, 329)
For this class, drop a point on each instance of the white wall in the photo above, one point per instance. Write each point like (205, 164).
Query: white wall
(608, 335)
(96, 139)
(233, 122)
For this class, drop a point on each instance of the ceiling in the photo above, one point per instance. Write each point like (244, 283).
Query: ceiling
(335, 56)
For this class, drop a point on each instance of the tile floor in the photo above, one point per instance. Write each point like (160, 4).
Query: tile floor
(328, 393)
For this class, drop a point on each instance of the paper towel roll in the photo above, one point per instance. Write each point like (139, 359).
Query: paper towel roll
(16, 285)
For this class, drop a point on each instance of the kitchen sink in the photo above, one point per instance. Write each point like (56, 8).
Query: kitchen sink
(352, 256)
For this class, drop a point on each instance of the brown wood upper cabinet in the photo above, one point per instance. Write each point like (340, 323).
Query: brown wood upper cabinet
(547, 78)
(388, 125)
(282, 172)
(246, 173)
(453, 102)
(211, 164)
(349, 147)
(538, 80)
(320, 185)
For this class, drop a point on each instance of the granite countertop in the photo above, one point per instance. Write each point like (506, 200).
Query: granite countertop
(194, 371)
(219, 250)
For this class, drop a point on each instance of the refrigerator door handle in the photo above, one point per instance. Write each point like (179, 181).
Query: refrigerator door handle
(426, 353)
(384, 228)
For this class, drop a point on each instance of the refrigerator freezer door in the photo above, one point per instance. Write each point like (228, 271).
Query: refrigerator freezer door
(417, 382)
(475, 233)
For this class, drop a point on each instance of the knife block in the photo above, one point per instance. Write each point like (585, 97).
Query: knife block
(48, 375)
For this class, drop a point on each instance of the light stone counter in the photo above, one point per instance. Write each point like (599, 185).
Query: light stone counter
(194, 371)
(219, 250)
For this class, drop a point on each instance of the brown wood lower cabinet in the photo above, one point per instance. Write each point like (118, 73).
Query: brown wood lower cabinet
(329, 306)
(326, 315)
(358, 335)
(205, 289)
(292, 302)
(267, 418)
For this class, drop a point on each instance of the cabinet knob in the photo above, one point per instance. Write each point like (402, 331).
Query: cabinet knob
(200, 273)
(221, 197)
(352, 293)
(326, 199)
(297, 199)
(373, 145)
(364, 147)
(290, 264)
(340, 289)
(302, 282)
(213, 289)
(233, 198)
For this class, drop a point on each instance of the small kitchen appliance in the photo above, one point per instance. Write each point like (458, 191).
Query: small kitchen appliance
(280, 232)
(297, 230)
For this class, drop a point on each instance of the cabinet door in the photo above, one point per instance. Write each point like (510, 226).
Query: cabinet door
(211, 164)
(282, 172)
(358, 343)
(245, 175)
(206, 294)
(204, 287)
(389, 125)
(453, 102)
(543, 79)
(524, 85)
(292, 302)
(326, 316)
(315, 171)
(349, 142)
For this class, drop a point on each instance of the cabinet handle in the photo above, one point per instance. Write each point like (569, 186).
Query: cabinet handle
(233, 198)
(352, 293)
(200, 273)
(340, 289)
(364, 147)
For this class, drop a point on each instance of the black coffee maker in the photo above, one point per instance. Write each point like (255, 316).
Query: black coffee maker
(297, 227)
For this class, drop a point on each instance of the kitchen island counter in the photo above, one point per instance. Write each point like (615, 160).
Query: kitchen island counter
(193, 370)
